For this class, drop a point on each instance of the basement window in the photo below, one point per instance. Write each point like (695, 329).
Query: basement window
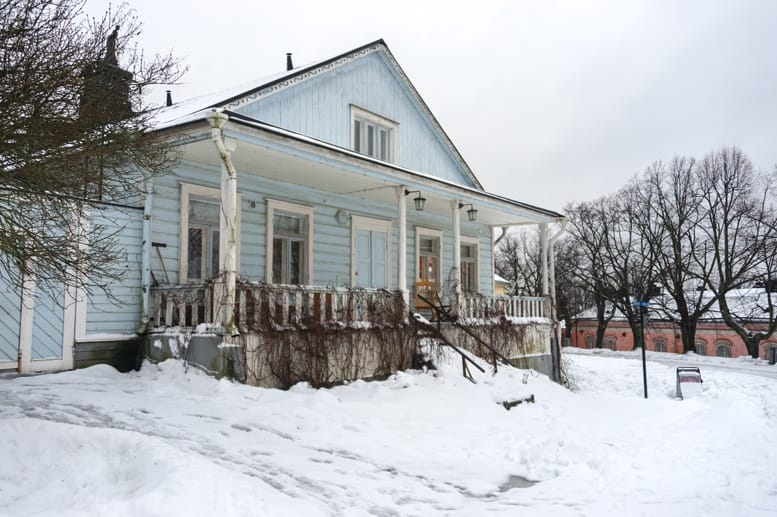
(372, 135)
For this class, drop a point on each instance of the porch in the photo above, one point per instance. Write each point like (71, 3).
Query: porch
(326, 335)
(277, 307)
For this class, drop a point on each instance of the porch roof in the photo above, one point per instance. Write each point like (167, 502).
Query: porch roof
(291, 157)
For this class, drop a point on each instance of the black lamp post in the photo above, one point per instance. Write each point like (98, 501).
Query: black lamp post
(643, 305)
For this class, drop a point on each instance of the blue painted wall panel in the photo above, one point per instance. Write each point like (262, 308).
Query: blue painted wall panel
(48, 323)
(119, 313)
(331, 240)
(320, 107)
(10, 314)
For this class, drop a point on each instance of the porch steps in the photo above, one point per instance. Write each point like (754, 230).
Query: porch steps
(428, 330)
(444, 313)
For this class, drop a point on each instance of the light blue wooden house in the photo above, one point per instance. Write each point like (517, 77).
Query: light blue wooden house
(314, 195)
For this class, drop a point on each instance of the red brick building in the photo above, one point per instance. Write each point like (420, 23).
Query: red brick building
(713, 336)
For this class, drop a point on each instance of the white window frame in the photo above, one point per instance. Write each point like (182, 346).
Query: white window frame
(189, 190)
(472, 241)
(428, 232)
(380, 123)
(293, 208)
(359, 222)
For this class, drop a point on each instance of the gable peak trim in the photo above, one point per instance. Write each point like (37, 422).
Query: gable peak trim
(305, 74)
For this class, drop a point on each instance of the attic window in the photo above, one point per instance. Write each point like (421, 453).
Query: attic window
(372, 134)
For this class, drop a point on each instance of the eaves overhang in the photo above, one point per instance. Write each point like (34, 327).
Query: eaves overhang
(494, 209)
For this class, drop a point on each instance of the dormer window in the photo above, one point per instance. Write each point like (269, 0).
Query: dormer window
(372, 134)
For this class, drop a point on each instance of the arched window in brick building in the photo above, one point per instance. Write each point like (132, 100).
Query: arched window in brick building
(701, 347)
(723, 349)
(609, 342)
(659, 344)
(589, 341)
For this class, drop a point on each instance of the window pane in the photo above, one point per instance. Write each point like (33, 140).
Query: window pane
(295, 262)
(287, 224)
(383, 145)
(203, 212)
(370, 139)
(426, 245)
(357, 136)
(214, 253)
(195, 249)
(277, 261)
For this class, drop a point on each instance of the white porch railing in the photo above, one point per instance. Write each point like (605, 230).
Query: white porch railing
(275, 307)
(267, 307)
(474, 305)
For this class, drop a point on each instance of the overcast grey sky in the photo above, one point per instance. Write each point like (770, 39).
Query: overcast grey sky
(548, 101)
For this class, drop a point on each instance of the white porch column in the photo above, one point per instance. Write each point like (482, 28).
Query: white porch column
(544, 245)
(544, 251)
(228, 228)
(402, 244)
(456, 215)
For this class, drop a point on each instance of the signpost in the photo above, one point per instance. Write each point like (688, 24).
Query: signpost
(643, 306)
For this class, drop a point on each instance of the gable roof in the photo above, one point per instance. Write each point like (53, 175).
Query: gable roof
(249, 92)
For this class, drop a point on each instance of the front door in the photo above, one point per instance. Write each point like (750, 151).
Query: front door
(370, 253)
(371, 260)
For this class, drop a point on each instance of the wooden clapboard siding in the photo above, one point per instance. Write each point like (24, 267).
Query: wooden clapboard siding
(331, 240)
(10, 314)
(48, 323)
(320, 107)
(119, 312)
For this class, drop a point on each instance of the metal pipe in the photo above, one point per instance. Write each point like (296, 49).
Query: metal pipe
(228, 240)
(145, 269)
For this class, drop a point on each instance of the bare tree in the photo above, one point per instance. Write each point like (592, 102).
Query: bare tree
(519, 260)
(572, 295)
(73, 136)
(742, 236)
(589, 229)
(681, 264)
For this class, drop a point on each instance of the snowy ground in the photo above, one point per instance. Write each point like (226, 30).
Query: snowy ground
(170, 441)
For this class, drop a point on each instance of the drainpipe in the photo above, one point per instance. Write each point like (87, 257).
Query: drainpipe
(228, 241)
(544, 251)
(145, 268)
(504, 232)
(552, 268)
(555, 349)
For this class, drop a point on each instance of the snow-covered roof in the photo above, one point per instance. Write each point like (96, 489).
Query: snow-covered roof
(182, 112)
(749, 304)
(500, 280)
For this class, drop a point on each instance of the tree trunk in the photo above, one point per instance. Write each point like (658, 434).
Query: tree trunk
(636, 330)
(752, 344)
(688, 335)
